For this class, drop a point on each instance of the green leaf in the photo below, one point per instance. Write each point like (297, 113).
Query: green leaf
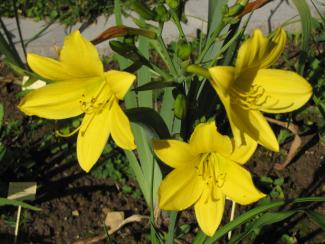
(2, 113)
(2, 151)
(215, 15)
(149, 119)
(134, 164)
(306, 23)
(265, 219)
(8, 48)
(241, 220)
(279, 181)
(155, 85)
(5, 201)
(308, 199)
(317, 218)
(271, 217)
(255, 211)
(142, 9)
(144, 74)
(149, 165)
(129, 51)
(199, 238)
(171, 227)
(217, 10)
(130, 99)
(167, 106)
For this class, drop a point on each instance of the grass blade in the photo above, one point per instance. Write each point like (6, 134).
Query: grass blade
(306, 23)
(317, 218)
(171, 227)
(5, 201)
(241, 220)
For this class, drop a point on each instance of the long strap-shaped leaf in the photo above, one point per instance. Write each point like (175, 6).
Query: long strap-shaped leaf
(306, 22)
(5, 201)
(201, 238)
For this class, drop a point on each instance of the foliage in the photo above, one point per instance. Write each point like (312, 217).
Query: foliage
(66, 12)
(113, 165)
(178, 92)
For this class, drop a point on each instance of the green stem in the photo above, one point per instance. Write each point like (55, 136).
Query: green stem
(225, 47)
(210, 41)
(196, 69)
(11, 51)
(171, 227)
(153, 232)
(166, 56)
(19, 29)
(178, 24)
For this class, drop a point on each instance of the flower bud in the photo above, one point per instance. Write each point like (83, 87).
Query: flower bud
(183, 49)
(162, 14)
(173, 4)
(180, 106)
(142, 9)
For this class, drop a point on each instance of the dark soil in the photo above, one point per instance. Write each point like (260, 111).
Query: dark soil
(74, 205)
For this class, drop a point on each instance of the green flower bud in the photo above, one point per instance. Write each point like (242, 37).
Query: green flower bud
(173, 4)
(142, 9)
(180, 106)
(129, 40)
(183, 49)
(162, 14)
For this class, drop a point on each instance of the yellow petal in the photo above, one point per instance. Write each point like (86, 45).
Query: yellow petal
(225, 99)
(209, 211)
(48, 68)
(180, 189)
(238, 184)
(222, 77)
(253, 123)
(276, 46)
(174, 153)
(255, 53)
(284, 91)
(80, 56)
(206, 138)
(121, 128)
(243, 121)
(119, 82)
(251, 52)
(92, 138)
(242, 153)
(59, 100)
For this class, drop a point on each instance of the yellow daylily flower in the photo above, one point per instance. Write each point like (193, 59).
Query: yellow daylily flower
(82, 87)
(206, 171)
(250, 88)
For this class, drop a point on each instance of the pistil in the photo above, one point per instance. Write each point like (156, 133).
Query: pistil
(211, 173)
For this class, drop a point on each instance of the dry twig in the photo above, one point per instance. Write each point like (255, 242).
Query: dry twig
(294, 145)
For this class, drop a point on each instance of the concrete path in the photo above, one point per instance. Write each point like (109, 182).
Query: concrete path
(268, 17)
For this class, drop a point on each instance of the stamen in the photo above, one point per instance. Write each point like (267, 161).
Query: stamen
(210, 172)
(87, 124)
(96, 103)
(254, 99)
(97, 110)
(58, 133)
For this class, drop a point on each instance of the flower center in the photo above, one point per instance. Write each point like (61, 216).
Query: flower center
(96, 103)
(252, 99)
(211, 173)
(102, 100)
(255, 99)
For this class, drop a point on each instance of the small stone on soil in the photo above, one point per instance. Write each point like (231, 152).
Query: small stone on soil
(75, 213)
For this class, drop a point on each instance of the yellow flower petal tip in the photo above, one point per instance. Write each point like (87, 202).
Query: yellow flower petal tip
(205, 173)
(251, 87)
(82, 87)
